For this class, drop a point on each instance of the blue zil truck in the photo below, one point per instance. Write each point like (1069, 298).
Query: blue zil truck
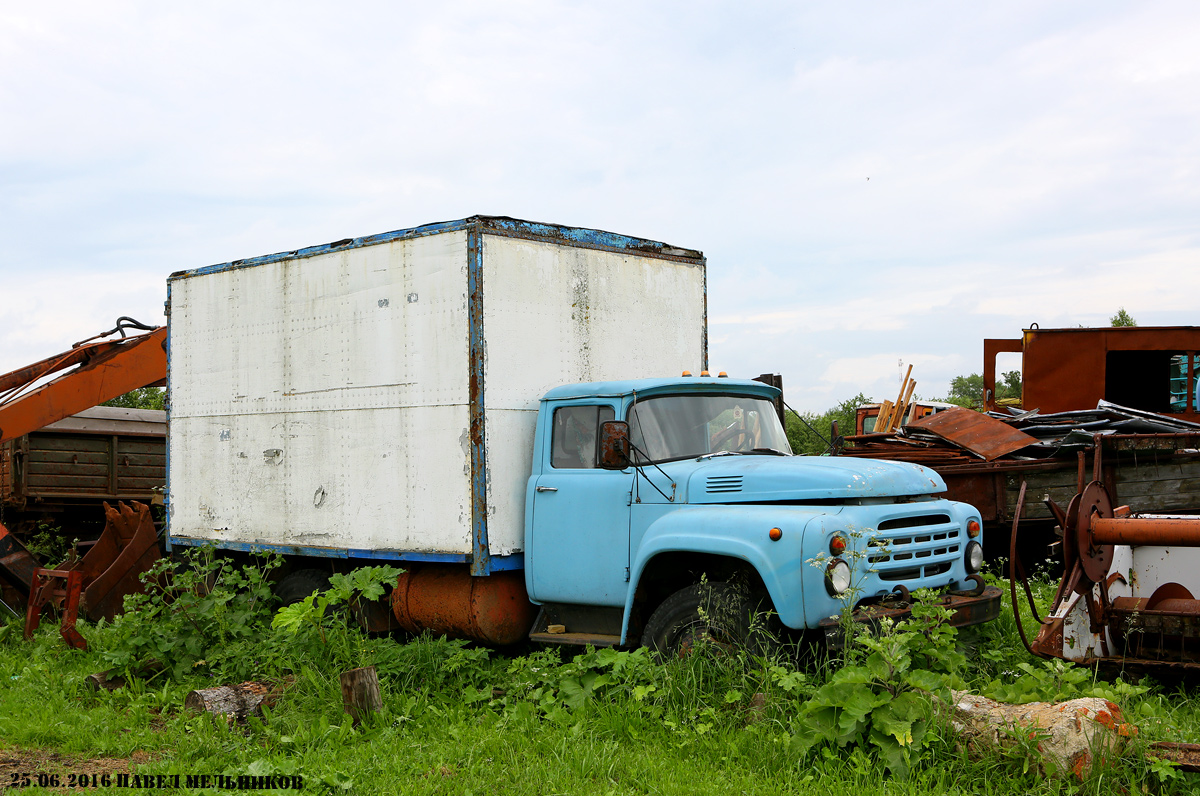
(659, 509)
(442, 397)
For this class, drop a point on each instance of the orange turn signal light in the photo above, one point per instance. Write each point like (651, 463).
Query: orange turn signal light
(686, 373)
(973, 529)
(837, 545)
(776, 534)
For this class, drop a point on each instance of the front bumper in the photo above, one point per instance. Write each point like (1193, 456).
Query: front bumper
(967, 609)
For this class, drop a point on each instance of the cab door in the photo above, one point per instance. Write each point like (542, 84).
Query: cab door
(579, 545)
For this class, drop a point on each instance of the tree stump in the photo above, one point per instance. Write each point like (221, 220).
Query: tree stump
(235, 701)
(360, 692)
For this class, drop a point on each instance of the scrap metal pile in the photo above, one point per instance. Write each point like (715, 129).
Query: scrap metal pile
(963, 437)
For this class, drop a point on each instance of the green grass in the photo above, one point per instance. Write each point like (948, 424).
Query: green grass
(459, 719)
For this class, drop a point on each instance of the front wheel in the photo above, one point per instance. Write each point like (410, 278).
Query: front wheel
(707, 613)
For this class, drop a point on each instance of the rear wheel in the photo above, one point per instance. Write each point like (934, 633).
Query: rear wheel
(297, 585)
(721, 614)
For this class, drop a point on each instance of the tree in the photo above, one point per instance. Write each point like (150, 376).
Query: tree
(809, 432)
(1122, 318)
(141, 398)
(968, 390)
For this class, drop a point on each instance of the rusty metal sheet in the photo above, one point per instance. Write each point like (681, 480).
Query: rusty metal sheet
(1065, 369)
(984, 436)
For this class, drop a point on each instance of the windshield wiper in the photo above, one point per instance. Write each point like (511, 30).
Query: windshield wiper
(714, 454)
(768, 451)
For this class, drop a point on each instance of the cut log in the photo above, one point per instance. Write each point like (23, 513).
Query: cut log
(360, 692)
(236, 701)
(104, 681)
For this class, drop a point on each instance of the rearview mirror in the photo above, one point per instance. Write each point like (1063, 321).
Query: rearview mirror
(614, 445)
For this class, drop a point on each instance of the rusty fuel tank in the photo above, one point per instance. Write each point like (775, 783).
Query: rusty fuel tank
(446, 599)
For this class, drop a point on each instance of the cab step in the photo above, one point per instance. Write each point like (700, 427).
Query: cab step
(578, 639)
(580, 625)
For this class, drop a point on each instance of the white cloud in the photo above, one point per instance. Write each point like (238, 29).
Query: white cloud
(1031, 163)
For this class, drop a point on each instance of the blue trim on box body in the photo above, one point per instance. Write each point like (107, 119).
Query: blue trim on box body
(167, 406)
(498, 563)
(497, 225)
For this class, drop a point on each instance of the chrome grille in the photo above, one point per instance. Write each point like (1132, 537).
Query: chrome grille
(923, 552)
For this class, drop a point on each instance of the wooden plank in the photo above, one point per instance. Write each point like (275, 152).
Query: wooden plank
(6, 484)
(141, 446)
(1174, 486)
(66, 483)
(61, 457)
(1162, 503)
(1035, 509)
(138, 486)
(1052, 479)
(47, 470)
(142, 460)
(144, 471)
(73, 444)
(885, 414)
(1128, 473)
(906, 404)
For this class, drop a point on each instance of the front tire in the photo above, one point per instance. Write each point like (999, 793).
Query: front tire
(705, 613)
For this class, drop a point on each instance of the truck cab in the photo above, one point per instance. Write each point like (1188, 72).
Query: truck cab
(649, 500)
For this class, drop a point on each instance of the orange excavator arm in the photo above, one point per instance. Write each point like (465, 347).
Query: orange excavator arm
(101, 370)
(106, 369)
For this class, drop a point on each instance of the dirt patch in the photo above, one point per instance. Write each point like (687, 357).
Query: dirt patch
(32, 762)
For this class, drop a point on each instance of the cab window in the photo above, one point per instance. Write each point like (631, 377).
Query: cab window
(575, 435)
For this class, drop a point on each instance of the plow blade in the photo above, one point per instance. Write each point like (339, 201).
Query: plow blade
(96, 584)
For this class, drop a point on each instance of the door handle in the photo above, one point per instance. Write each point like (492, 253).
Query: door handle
(547, 489)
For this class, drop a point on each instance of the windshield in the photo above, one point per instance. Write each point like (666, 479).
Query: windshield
(684, 426)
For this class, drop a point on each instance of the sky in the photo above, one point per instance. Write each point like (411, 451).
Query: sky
(874, 185)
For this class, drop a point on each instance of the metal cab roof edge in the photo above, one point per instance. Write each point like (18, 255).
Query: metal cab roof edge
(495, 225)
(677, 384)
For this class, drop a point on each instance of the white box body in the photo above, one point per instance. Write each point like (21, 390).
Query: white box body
(323, 401)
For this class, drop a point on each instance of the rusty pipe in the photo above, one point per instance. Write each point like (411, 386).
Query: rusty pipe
(1161, 531)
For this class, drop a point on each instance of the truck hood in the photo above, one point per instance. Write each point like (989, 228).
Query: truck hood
(753, 479)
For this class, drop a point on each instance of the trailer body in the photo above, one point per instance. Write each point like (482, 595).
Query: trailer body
(103, 453)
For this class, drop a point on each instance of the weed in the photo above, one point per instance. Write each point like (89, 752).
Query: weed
(324, 620)
(204, 615)
(48, 543)
(884, 702)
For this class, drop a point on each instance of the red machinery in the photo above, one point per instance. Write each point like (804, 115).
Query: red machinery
(91, 372)
(1128, 592)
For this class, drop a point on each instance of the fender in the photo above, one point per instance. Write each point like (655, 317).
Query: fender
(736, 531)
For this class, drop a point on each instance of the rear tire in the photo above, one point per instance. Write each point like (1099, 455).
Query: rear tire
(297, 585)
(721, 614)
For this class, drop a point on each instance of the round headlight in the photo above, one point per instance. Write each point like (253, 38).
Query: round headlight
(837, 577)
(973, 558)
